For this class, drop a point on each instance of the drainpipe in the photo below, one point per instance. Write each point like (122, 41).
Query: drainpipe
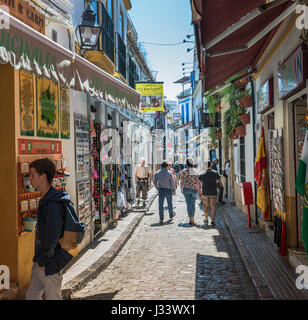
(254, 139)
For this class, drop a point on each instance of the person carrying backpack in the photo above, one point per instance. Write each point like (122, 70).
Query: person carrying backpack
(58, 230)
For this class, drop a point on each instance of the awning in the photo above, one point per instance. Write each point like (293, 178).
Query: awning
(185, 125)
(25, 48)
(232, 34)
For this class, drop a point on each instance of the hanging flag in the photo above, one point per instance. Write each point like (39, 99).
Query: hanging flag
(261, 176)
(302, 189)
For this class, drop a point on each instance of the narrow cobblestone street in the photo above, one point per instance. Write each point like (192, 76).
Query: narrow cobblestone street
(174, 261)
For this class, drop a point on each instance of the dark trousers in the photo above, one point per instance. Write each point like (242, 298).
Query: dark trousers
(162, 194)
(221, 190)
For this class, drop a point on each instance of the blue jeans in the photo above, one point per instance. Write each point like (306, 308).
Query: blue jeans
(162, 194)
(190, 197)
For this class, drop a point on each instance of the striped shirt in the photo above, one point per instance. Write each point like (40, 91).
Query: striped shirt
(189, 178)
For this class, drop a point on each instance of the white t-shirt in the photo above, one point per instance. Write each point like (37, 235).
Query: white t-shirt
(142, 172)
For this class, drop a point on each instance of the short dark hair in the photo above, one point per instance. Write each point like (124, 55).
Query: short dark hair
(165, 164)
(46, 166)
(190, 163)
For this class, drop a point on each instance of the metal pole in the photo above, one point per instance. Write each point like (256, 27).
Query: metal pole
(254, 139)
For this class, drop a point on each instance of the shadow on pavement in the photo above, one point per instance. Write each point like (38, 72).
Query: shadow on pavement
(100, 296)
(159, 224)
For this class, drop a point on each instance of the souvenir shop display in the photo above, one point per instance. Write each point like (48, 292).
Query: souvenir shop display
(28, 198)
(83, 170)
(276, 170)
(96, 171)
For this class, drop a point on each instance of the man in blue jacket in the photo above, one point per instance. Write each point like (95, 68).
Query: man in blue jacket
(49, 258)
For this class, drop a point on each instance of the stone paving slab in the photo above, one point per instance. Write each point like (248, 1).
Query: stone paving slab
(272, 275)
(99, 254)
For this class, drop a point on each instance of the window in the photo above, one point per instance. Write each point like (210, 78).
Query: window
(242, 160)
(121, 25)
(54, 35)
(110, 8)
(187, 112)
(182, 113)
(94, 6)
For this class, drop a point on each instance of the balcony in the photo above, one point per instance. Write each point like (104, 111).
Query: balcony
(107, 35)
(132, 74)
(121, 51)
(184, 94)
(103, 55)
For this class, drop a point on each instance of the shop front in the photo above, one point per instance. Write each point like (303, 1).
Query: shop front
(281, 96)
(49, 98)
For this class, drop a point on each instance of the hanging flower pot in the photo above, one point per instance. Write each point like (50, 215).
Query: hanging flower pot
(219, 134)
(241, 131)
(245, 118)
(242, 82)
(218, 107)
(234, 134)
(245, 102)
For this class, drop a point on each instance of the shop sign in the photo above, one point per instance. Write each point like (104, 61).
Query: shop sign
(26, 146)
(26, 103)
(25, 49)
(26, 13)
(47, 108)
(151, 96)
(265, 96)
(291, 74)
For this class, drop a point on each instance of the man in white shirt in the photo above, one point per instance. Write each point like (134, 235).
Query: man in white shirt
(143, 180)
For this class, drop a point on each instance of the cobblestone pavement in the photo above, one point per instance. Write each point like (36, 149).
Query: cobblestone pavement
(174, 261)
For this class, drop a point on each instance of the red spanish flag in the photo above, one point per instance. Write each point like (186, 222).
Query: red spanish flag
(261, 176)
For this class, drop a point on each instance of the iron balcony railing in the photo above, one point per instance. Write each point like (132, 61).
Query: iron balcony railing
(121, 51)
(107, 34)
(132, 72)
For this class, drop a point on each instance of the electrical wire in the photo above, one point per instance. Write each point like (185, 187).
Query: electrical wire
(163, 44)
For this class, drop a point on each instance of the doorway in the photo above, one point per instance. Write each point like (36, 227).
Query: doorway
(300, 127)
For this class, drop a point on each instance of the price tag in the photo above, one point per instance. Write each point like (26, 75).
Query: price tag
(33, 204)
(24, 206)
(25, 167)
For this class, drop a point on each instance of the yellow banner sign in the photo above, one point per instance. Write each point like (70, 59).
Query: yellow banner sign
(151, 96)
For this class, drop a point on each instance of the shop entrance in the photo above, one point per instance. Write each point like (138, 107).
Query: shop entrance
(300, 127)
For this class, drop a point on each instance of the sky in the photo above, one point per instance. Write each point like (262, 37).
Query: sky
(165, 22)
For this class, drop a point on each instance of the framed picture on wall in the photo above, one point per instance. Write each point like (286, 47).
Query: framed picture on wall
(26, 103)
(47, 114)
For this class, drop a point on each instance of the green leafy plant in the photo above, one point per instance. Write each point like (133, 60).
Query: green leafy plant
(231, 115)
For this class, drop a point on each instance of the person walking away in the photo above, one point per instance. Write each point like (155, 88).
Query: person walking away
(208, 191)
(143, 180)
(190, 187)
(174, 175)
(226, 175)
(219, 185)
(164, 182)
(49, 258)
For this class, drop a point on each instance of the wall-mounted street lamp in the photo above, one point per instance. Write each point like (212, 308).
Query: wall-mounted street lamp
(88, 31)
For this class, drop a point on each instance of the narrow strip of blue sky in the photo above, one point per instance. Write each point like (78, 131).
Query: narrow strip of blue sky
(164, 21)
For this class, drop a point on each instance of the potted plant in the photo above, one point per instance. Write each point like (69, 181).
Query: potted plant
(234, 134)
(241, 131)
(245, 100)
(245, 118)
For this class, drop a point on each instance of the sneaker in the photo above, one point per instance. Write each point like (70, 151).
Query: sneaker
(161, 221)
(173, 216)
(213, 223)
(206, 221)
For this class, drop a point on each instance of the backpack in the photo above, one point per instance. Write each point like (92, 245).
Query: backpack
(74, 230)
